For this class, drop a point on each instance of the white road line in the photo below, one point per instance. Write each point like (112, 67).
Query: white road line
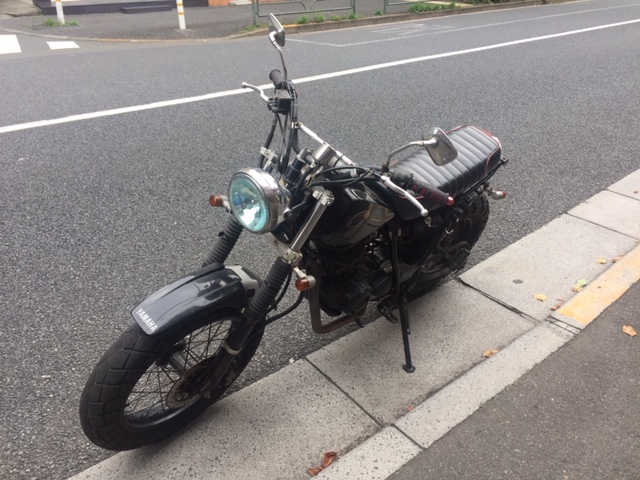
(123, 110)
(342, 73)
(460, 52)
(62, 45)
(9, 44)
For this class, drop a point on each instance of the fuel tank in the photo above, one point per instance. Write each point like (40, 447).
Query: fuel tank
(356, 213)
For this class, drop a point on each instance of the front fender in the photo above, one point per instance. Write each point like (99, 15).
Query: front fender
(195, 296)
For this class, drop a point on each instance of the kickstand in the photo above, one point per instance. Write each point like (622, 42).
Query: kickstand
(403, 307)
(401, 299)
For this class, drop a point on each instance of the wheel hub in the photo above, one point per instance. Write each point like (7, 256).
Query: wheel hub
(182, 392)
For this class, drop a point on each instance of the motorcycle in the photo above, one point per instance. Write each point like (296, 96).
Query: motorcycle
(346, 236)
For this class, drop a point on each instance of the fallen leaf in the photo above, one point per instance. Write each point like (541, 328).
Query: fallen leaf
(601, 261)
(616, 259)
(557, 305)
(489, 353)
(580, 284)
(629, 330)
(329, 457)
(540, 296)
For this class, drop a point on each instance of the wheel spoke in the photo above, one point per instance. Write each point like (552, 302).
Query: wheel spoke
(149, 396)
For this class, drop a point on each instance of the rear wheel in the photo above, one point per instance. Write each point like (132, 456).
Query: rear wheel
(463, 235)
(141, 392)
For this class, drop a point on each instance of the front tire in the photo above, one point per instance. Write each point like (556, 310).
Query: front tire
(139, 393)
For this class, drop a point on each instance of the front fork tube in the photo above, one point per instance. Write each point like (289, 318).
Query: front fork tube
(226, 241)
(284, 264)
(263, 300)
(253, 314)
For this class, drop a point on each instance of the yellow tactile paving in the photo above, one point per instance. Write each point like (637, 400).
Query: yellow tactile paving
(604, 290)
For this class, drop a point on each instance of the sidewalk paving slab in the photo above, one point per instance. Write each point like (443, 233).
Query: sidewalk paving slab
(629, 186)
(611, 210)
(549, 261)
(17, 8)
(450, 329)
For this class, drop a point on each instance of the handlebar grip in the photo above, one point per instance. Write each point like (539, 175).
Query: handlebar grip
(422, 189)
(278, 80)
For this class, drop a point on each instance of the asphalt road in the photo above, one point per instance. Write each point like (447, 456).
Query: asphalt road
(96, 214)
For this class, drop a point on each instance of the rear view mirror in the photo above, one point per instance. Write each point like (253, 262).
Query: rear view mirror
(276, 30)
(439, 147)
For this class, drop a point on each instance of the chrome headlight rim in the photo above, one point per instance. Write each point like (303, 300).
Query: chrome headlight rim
(273, 198)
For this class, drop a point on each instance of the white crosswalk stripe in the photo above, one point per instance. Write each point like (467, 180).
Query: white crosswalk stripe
(62, 45)
(11, 44)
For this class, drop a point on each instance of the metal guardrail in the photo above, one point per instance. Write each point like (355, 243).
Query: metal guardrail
(388, 3)
(255, 4)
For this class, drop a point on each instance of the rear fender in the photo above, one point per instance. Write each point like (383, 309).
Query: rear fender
(194, 297)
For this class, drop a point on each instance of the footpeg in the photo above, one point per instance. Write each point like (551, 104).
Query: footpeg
(387, 313)
(459, 261)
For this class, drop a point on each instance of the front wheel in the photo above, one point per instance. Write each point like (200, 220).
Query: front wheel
(140, 392)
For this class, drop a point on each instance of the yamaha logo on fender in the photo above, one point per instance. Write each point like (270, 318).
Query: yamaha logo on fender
(148, 321)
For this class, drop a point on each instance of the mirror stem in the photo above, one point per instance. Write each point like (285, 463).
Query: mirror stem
(284, 67)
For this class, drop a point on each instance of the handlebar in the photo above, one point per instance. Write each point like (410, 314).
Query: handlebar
(404, 184)
(278, 80)
(419, 188)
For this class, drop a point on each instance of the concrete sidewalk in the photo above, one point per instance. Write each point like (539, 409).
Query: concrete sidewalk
(17, 8)
(353, 398)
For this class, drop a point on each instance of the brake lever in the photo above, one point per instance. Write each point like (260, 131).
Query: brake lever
(405, 193)
(256, 89)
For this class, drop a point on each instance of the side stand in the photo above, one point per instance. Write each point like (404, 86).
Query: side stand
(403, 307)
(401, 301)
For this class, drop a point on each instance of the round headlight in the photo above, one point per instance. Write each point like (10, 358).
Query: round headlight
(256, 199)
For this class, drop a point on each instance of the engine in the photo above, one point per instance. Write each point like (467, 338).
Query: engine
(350, 251)
(350, 277)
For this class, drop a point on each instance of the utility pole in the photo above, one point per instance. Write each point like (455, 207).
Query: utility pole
(181, 21)
(60, 12)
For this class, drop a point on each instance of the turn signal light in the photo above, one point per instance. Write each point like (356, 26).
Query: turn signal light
(496, 194)
(305, 283)
(216, 201)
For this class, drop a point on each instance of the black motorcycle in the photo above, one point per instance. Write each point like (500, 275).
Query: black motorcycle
(346, 235)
